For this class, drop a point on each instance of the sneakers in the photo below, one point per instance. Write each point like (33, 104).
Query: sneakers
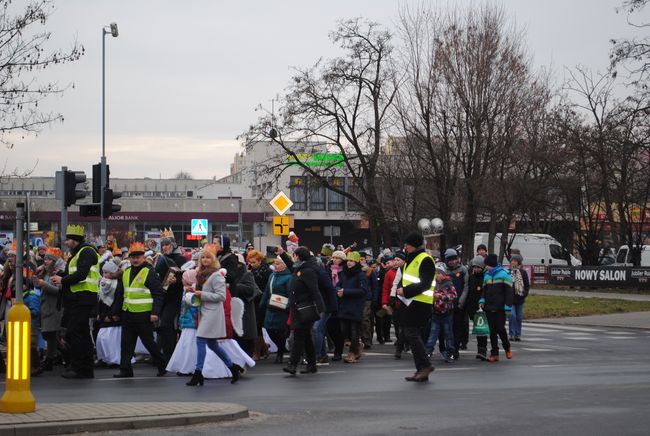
(517, 338)
(336, 357)
(493, 359)
(509, 354)
(482, 355)
(323, 361)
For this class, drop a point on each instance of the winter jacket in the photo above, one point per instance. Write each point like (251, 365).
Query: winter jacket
(519, 299)
(475, 288)
(444, 295)
(304, 289)
(50, 313)
(389, 278)
(212, 321)
(174, 292)
(373, 283)
(497, 289)
(460, 277)
(262, 274)
(280, 284)
(228, 260)
(418, 314)
(244, 288)
(355, 287)
(327, 291)
(189, 316)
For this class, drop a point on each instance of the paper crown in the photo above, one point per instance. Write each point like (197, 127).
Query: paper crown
(167, 233)
(75, 230)
(117, 251)
(136, 247)
(210, 248)
(53, 251)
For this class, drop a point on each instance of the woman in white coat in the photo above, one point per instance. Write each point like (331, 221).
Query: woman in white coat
(211, 290)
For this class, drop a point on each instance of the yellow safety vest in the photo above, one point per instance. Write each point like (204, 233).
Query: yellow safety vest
(411, 274)
(137, 297)
(91, 282)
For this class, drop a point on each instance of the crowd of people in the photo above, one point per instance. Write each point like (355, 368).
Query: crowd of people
(214, 312)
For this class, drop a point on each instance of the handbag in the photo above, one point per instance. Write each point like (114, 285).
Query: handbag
(307, 312)
(481, 327)
(277, 301)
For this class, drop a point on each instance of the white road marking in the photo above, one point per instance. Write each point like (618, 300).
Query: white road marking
(534, 349)
(618, 337)
(565, 327)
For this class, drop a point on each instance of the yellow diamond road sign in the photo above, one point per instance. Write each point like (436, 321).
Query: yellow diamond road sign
(281, 203)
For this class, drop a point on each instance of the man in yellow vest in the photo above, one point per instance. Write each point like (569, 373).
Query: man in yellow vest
(79, 290)
(140, 296)
(416, 292)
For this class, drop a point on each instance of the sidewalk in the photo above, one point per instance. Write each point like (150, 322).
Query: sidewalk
(609, 295)
(50, 419)
(634, 320)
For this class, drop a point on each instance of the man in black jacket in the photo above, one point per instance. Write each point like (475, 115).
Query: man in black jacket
(171, 258)
(79, 290)
(417, 295)
(140, 296)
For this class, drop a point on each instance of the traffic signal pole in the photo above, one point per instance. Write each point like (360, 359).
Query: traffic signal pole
(60, 194)
(102, 230)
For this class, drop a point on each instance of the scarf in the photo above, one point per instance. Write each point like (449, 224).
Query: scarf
(336, 271)
(202, 276)
(107, 291)
(518, 282)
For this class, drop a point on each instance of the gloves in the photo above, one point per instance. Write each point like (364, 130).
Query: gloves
(508, 309)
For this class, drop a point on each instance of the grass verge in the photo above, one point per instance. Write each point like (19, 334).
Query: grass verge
(547, 306)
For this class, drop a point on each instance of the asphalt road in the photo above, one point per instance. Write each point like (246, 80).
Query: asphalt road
(563, 379)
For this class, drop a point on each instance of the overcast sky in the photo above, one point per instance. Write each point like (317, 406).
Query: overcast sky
(184, 77)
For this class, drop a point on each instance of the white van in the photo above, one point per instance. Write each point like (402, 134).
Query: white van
(536, 248)
(624, 257)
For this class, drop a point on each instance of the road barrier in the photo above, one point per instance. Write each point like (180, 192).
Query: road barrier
(600, 276)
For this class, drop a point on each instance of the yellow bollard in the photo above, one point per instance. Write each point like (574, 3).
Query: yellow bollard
(18, 397)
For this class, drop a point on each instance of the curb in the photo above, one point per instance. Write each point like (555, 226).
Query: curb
(235, 411)
(573, 324)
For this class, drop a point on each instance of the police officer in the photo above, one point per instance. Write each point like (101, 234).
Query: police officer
(79, 290)
(140, 296)
(417, 294)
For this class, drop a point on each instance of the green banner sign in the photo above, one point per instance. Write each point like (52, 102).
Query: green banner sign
(317, 159)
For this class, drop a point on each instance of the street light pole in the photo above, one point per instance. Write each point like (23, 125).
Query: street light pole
(104, 176)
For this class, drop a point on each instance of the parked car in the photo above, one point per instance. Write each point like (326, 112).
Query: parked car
(624, 256)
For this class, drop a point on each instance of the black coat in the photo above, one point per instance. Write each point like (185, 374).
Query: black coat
(245, 288)
(304, 289)
(174, 293)
(152, 283)
(418, 314)
(228, 260)
(519, 299)
(474, 288)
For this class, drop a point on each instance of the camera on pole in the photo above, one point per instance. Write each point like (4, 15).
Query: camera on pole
(73, 187)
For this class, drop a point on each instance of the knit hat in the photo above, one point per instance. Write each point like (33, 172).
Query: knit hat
(450, 254)
(354, 256)
(518, 257)
(109, 267)
(339, 254)
(326, 250)
(481, 247)
(441, 268)
(400, 255)
(478, 261)
(491, 260)
(281, 260)
(414, 239)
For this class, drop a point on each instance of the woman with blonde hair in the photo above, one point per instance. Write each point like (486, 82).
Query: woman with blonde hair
(210, 288)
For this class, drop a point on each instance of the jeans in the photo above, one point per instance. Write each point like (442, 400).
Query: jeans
(445, 323)
(497, 323)
(413, 337)
(516, 318)
(320, 329)
(213, 343)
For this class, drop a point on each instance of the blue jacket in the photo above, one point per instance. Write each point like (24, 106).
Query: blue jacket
(189, 316)
(497, 289)
(278, 283)
(355, 286)
(32, 299)
(327, 290)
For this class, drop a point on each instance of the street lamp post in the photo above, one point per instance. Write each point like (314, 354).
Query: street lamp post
(112, 29)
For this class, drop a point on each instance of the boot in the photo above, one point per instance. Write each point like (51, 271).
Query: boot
(411, 378)
(235, 370)
(509, 354)
(291, 369)
(493, 358)
(360, 350)
(256, 350)
(264, 348)
(278, 358)
(350, 358)
(197, 379)
(123, 374)
(423, 374)
(482, 354)
(310, 369)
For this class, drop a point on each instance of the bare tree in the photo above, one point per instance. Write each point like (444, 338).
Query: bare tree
(183, 175)
(339, 106)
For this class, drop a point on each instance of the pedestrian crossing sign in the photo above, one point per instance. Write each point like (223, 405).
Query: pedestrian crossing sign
(199, 227)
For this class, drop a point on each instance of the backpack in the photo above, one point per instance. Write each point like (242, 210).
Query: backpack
(445, 297)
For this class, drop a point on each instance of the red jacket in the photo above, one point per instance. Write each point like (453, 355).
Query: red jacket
(389, 278)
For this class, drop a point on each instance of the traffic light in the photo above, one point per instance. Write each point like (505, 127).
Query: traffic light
(97, 183)
(91, 209)
(73, 187)
(109, 207)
